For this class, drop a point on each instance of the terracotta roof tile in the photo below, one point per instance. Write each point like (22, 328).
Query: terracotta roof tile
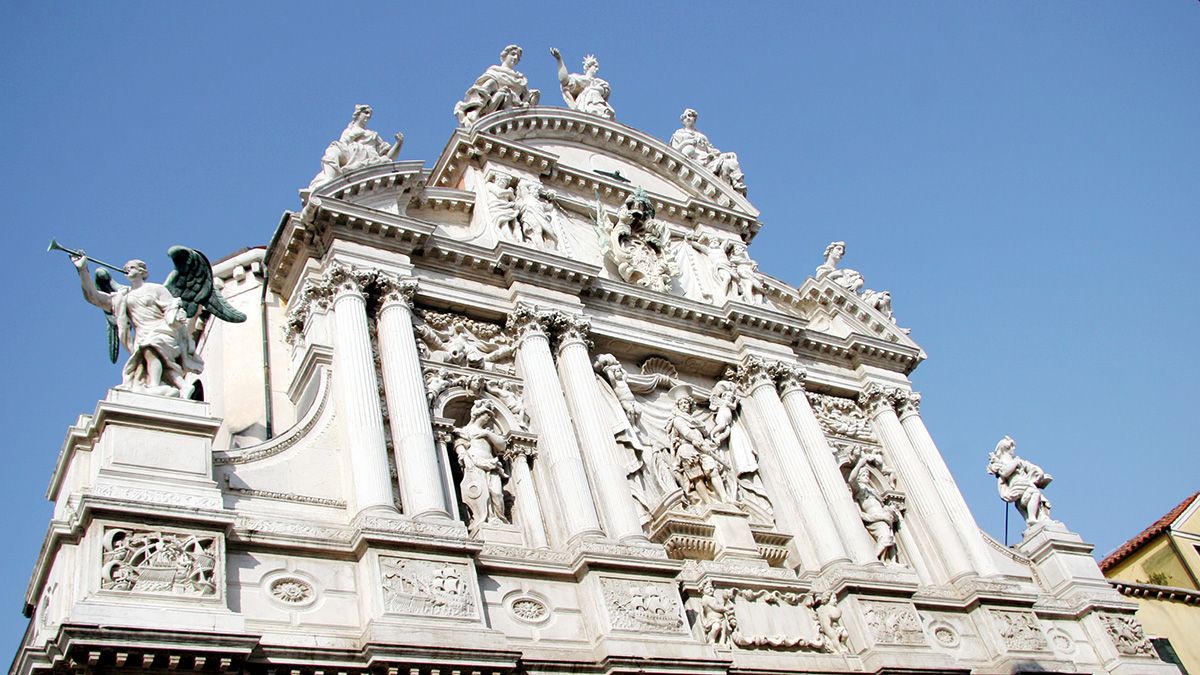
(1127, 549)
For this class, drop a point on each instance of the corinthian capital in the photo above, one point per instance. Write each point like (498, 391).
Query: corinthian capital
(875, 398)
(528, 321)
(347, 280)
(790, 376)
(570, 328)
(755, 372)
(395, 290)
(907, 403)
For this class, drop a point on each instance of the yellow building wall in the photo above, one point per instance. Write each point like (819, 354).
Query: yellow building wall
(1155, 563)
(1175, 620)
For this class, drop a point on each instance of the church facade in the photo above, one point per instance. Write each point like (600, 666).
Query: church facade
(534, 409)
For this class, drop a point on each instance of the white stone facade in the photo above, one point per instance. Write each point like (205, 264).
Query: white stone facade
(459, 433)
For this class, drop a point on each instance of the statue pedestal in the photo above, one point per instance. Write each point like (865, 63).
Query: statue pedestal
(733, 537)
(499, 533)
(1064, 561)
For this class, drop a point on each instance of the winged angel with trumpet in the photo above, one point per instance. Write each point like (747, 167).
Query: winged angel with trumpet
(155, 322)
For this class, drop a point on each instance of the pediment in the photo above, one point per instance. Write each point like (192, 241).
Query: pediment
(839, 313)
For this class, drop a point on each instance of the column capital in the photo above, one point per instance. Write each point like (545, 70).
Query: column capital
(790, 377)
(875, 398)
(570, 328)
(392, 289)
(528, 320)
(755, 372)
(347, 280)
(520, 445)
(907, 403)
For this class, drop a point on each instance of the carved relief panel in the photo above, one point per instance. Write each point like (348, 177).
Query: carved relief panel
(643, 606)
(420, 587)
(893, 623)
(162, 562)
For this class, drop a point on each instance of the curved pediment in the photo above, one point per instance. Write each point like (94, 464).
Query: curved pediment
(595, 152)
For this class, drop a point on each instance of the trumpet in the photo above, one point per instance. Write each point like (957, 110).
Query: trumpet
(55, 246)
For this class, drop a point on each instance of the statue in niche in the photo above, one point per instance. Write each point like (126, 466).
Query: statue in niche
(700, 471)
(734, 273)
(155, 322)
(536, 211)
(695, 146)
(1020, 482)
(585, 93)
(637, 243)
(880, 519)
(502, 205)
(358, 148)
(498, 88)
(717, 616)
(849, 279)
(479, 451)
(612, 370)
(873, 458)
(454, 339)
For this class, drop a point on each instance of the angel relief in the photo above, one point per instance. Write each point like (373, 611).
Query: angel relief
(156, 323)
(457, 340)
(685, 447)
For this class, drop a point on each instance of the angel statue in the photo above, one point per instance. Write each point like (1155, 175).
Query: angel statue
(1020, 481)
(155, 322)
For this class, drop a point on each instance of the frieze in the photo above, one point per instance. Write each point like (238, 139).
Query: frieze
(290, 529)
(1019, 630)
(286, 496)
(695, 569)
(640, 605)
(159, 562)
(156, 496)
(518, 553)
(841, 417)
(427, 588)
(1127, 635)
(893, 623)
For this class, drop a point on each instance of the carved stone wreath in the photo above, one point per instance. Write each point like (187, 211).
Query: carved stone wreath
(292, 591)
(528, 609)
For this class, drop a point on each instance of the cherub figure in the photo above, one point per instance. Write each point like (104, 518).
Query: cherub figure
(717, 616)
(723, 402)
(155, 322)
(612, 370)
(502, 205)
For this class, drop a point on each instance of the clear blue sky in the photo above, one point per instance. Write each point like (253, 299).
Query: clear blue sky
(1022, 176)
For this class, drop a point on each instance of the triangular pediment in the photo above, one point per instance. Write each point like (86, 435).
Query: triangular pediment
(842, 315)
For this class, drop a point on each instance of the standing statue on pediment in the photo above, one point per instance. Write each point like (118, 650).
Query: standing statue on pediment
(701, 472)
(735, 273)
(535, 211)
(1020, 482)
(502, 205)
(695, 146)
(479, 450)
(358, 148)
(637, 242)
(852, 281)
(498, 88)
(585, 93)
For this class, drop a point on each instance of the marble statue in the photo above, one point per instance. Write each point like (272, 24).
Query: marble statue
(717, 616)
(846, 278)
(734, 273)
(723, 402)
(612, 370)
(700, 472)
(155, 322)
(509, 394)
(585, 93)
(502, 205)
(358, 148)
(829, 618)
(880, 519)
(479, 451)
(637, 243)
(535, 212)
(695, 146)
(498, 88)
(463, 342)
(1020, 482)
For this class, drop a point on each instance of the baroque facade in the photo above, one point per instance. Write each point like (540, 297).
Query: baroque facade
(534, 409)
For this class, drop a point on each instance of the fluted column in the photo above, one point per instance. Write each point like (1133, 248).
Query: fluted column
(759, 384)
(408, 411)
(520, 451)
(816, 447)
(354, 371)
(908, 406)
(600, 453)
(548, 407)
(919, 488)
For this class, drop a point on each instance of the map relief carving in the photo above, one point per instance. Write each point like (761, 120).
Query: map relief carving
(159, 562)
(427, 588)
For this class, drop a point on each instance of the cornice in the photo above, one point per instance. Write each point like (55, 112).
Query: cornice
(406, 174)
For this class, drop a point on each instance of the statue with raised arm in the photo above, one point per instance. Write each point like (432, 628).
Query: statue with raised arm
(479, 451)
(612, 370)
(695, 146)
(1020, 482)
(155, 322)
(880, 519)
(585, 93)
(358, 148)
(498, 88)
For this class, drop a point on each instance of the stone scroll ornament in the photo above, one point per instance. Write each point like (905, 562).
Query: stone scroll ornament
(852, 281)
(156, 323)
(500, 87)
(636, 242)
(1020, 482)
